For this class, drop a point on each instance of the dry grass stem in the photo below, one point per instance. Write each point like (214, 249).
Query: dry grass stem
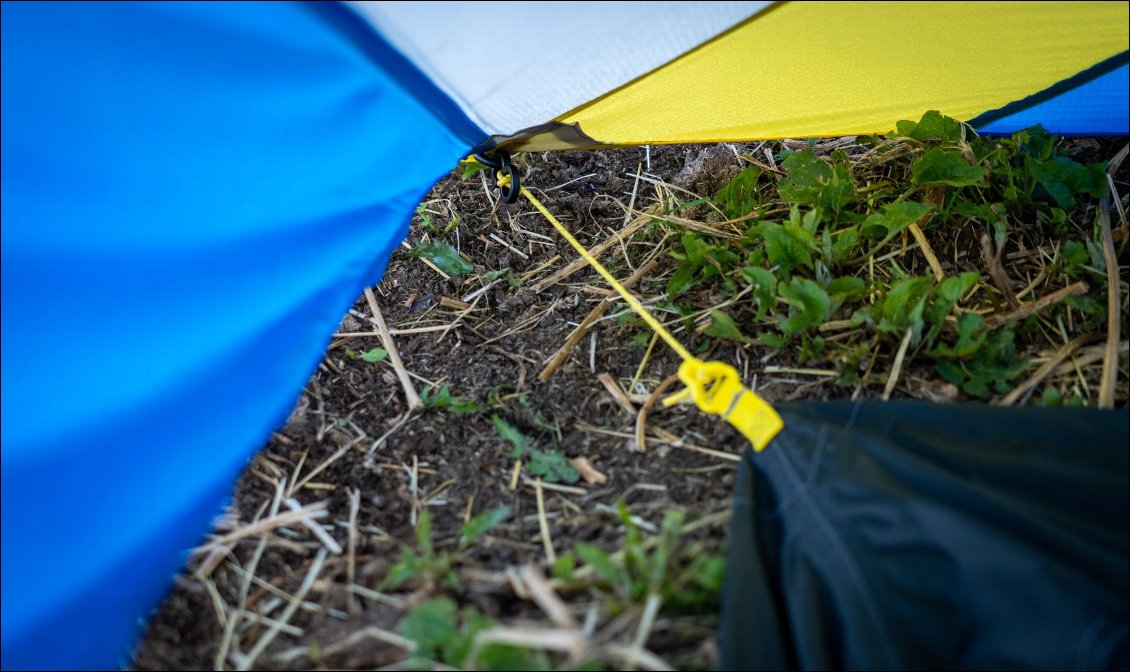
(1087, 357)
(543, 594)
(351, 604)
(496, 238)
(1000, 278)
(556, 487)
(323, 536)
(1114, 306)
(428, 262)
(543, 524)
(317, 510)
(617, 393)
(1048, 367)
(595, 314)
(245, 586)
(927, 251)
(896, 369)
(1000, 319)
(393, 353)
(566, 641)
(273, 632)
(829, 373)
(641, 419)
(448, 302)
(643, 658)
(647, 622)
(393, 331)
(322, 467)
(597, 250)
(371, 632)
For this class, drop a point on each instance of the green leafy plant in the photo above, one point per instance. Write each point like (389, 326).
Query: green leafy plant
(816, 181)
(444, 256)
(722, 326)
(445, 634)
(669, 570)
(989, 368)
(700, 261)
(842, 254)
(740, 196)
(550, 465)
(481, 524)
(932, 126)
(809, 305)
(374, 355)
(426, 567)
(940, 167)
(470, 168)
(443, 399)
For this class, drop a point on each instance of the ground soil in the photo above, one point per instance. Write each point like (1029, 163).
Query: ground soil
(492, 355)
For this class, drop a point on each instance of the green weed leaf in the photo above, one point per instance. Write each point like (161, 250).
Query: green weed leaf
(1063, 178)
(764, 288)
(682, 280)
(600, 561)
(374, 355)
(481, 524)
(740, 196)
(970, 338)
(816, 181)
(938, 167)
(809, 304)
(406, 568)
(431, 625)
(990, 368)
(552, 466)
(444, 256)
(892, 221)
(948, 293)
(722, 326)
(788, 245)
(430, 398)
(846, 288)
(933, 126)
(470, 169)
(843, 243)
(904, 306)
(517, 439)
(775, 341)
(494, 275)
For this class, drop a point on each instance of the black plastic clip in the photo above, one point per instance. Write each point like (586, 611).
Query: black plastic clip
(500, 162)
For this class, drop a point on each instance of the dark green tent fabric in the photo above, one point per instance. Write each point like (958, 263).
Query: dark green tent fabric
(920, 536)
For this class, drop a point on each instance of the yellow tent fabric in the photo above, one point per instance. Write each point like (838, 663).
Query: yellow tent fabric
(805, 69)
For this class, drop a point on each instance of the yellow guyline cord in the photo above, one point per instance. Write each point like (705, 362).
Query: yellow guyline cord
(715, 387)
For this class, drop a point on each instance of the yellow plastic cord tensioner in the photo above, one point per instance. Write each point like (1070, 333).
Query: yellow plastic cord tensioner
(715, 387)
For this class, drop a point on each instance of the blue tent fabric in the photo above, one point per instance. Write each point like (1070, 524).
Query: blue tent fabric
(192, 196)
(1097, 106)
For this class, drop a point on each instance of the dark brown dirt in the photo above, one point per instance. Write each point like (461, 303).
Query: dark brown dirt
(493, 356)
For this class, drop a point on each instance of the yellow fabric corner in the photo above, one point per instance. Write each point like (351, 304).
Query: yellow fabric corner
(805, 69)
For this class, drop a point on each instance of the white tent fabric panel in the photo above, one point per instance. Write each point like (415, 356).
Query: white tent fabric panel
(512, 65)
